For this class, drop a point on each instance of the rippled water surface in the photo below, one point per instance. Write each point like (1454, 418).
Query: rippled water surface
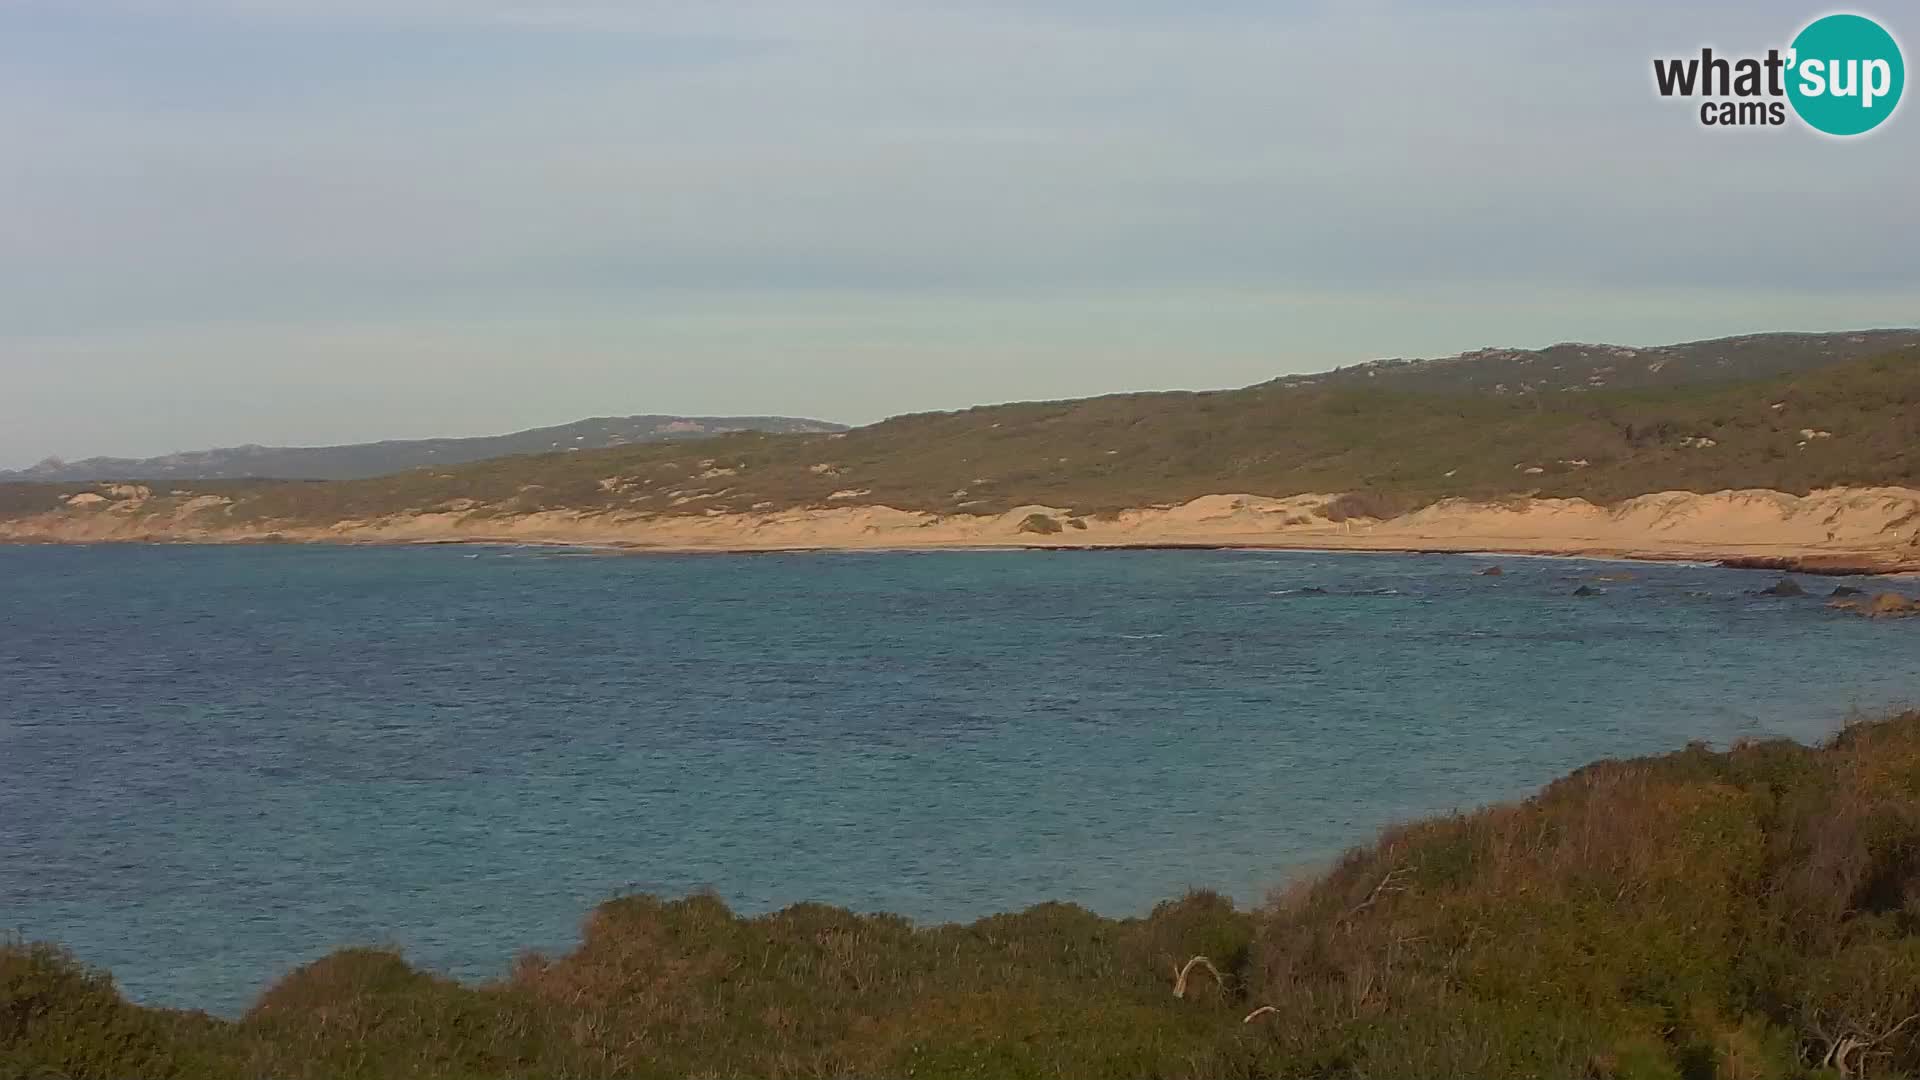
(216, 763)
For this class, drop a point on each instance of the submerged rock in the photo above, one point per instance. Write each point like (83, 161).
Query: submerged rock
(1786, 586)
(1893, 606)
(1884, 606)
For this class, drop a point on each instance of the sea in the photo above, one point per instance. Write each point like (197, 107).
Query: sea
(218, 763)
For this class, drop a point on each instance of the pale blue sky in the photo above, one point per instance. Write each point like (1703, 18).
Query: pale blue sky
(303, 221)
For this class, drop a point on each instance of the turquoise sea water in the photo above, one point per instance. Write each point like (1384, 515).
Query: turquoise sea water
(216, 763)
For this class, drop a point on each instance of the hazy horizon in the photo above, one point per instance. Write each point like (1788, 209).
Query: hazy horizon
(289, 222)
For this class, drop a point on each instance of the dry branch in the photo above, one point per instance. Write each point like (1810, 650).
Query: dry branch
(1392, 882)
(1180, 975)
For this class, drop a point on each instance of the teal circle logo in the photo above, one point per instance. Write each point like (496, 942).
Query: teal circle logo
(1845, 75)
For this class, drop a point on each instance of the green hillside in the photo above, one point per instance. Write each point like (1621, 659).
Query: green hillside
(1573, 367)
(1855, 423)
(1751, 915)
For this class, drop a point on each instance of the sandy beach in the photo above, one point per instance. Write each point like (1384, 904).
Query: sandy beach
(1836, 530)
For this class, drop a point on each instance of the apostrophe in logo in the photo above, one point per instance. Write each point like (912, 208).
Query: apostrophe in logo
(1842, 75)
(1846, 74)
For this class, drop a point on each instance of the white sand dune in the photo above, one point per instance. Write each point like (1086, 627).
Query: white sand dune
(1875, 528)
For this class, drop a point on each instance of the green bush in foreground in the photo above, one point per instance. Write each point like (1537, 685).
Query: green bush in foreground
(1749, 915)
(59, 1020)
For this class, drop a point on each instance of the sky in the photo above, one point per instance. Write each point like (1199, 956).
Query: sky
(298, 222)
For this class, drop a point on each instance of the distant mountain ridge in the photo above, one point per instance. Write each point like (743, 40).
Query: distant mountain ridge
(362, 460)
(1574, 367)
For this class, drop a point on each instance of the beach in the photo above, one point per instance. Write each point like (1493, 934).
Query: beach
(1835, 530)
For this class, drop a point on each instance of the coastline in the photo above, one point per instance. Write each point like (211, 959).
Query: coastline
(1837, 531)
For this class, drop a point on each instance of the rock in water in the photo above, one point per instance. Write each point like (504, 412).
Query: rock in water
(1892, 606)
(1786, 586)
(1884, 606)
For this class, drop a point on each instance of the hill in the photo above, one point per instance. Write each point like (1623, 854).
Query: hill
(375, 459)
(1392, 450)
(1578, 368)
(1564, 368)
(1748, 915)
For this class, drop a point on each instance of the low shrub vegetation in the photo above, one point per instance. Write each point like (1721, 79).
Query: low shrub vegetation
(1855, 423)
(1744, 915)
(1363, 504)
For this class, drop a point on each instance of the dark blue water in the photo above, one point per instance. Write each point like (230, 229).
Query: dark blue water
(216, 763)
